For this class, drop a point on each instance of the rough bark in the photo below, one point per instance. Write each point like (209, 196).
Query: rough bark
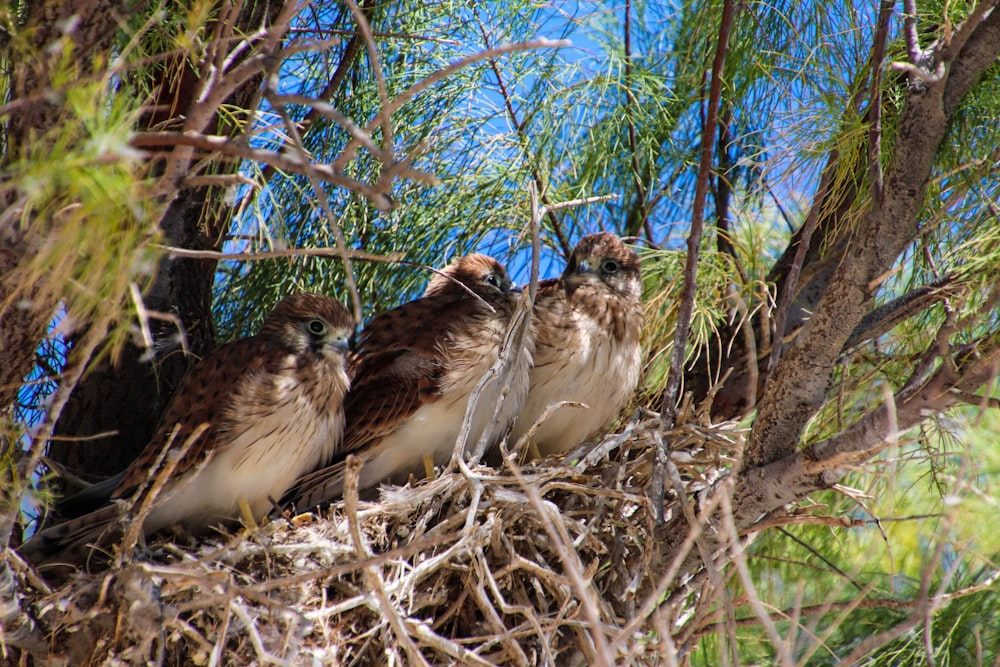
(798, 386)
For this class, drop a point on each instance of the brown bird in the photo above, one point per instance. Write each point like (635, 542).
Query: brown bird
(253, 416)
(586, 328)
(416, 367)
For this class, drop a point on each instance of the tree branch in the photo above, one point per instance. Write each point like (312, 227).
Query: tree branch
(668, 409)
(800, 381)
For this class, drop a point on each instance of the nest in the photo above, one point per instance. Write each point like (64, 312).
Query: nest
(533, 565)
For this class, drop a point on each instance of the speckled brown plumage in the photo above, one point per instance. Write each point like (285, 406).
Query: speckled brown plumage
(416, 367)
(587, 325)
(268, 408)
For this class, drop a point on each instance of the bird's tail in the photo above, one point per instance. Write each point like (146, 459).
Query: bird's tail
(80, 543)
(315, 489)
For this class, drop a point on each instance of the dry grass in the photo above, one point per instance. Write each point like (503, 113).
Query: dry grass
(537, 565)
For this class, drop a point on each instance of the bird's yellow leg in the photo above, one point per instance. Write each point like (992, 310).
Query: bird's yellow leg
(429, 467)
(249, 521)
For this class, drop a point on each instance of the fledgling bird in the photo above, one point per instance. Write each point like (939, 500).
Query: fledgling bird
(415, 369)
(587, 325)
(259, 412)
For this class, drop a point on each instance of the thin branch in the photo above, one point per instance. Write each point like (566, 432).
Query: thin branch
(347, 60)
(854, 603)
(522, 135)
(630, 103)
(685, 309)
(563, 546)
(283, 161)
(910, 29)
(324, 202)
(372, 575)
(875, 99)
(376, 65)
(332, 253)
(417, 88)
(739, 560)
(374, 33)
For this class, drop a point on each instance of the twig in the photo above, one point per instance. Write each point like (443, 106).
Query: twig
(159, 474)
(372, 575)
(332, 253)
(385, 114)
(324, 202)
(706, 555)
(740, 562)
(640, 209)
(542, 43)
(558, 206)
(655, 597)
(520, 129)
(283, 161)
(570, 560)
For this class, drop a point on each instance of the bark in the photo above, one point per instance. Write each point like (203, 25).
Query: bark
(735, 398)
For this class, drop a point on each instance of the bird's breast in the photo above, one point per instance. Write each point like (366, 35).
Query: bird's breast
(264, 451)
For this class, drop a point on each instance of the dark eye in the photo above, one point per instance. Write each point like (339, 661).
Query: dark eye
(317, 327)
(492, 279)
(610, 266)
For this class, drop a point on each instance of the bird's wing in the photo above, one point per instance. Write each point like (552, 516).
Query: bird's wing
(401, 364)
(201, 409)
(318, 487)
(89, 499)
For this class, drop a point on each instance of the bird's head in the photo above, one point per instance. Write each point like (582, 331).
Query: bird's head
(482, 274)
(604, 259)
(310, 322)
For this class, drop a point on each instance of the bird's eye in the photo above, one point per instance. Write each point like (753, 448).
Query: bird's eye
(317, 327)
(610, 266)
(492, 279)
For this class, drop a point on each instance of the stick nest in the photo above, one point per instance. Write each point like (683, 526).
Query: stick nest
(540, 565)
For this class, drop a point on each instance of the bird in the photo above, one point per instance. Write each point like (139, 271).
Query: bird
(586, 327)
(416, 366)
(244, 423)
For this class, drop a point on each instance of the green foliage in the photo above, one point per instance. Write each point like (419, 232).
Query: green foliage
(85, 210)
(915, 524)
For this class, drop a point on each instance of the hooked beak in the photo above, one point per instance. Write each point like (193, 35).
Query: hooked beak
(340, 344)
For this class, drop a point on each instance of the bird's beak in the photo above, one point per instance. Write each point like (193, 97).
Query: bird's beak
(340, 344)
(584, 267)
(515, 288)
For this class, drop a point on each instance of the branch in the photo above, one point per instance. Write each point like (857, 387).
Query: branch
(685, 309)
(979, 51)
(761, 490)
(284, 161)
(798, 386)
(334, 253)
